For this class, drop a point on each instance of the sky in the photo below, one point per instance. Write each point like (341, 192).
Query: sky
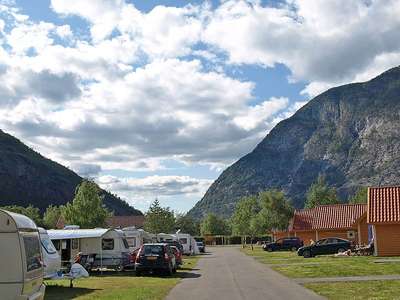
(154, 99)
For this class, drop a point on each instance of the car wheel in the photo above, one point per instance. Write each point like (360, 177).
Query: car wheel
(307, 254)
(341, 250)
(138, 273)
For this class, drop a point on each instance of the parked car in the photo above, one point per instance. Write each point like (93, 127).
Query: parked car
(201, 246)
(178, 255)
(325, 246)
(176, 244)
(289, 243)
(155, 257)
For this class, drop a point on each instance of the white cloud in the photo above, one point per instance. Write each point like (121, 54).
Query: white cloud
(143, 88)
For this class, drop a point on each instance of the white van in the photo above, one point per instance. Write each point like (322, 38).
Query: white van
(51, 258)
(21, 275)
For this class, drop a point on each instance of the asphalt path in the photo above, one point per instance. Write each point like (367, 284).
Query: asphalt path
(226, 273)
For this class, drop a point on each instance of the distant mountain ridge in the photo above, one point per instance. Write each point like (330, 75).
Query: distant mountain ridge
(350, 134)
(26, 177)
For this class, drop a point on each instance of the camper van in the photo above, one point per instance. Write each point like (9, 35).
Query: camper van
(137, 237)
(164, 237)
(107, 247)
(21, 275)
(51, 258)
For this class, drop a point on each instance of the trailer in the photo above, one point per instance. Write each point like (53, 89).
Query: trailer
(107, 248)
(137, 237)
(21, 275)
(51, 257)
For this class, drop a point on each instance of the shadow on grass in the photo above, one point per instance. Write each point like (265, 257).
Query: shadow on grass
(56, 292)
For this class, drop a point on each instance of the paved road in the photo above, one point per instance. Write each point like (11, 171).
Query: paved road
(226, 273)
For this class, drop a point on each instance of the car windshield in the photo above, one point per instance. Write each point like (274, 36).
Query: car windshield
(153, 249)
(47, 244)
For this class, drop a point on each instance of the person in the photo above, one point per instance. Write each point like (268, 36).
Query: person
(312, 243)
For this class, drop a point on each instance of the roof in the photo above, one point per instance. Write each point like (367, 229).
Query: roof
(64, 234)
(384, 205)
(336, 216)
(21, 221)
(125, 221)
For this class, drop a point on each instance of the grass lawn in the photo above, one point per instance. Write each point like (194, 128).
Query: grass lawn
(389, 289)
(291, 265)
(121, 286)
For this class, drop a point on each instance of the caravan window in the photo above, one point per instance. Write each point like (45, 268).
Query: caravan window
(32, 253)
(75, 244)
(125, 243)
(48, 245)
(131, 242)
(107, 244)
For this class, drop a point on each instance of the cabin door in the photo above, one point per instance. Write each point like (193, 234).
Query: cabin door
(65, 250)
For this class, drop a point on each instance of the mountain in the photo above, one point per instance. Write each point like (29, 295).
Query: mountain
(350, 134)
(26, 177)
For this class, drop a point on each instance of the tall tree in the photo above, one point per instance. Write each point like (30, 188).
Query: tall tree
(245, 210)
(361, 196)
(51, 216)
(276, 210)
(214, 225)
(87, 209)
(159, 219)
(320, 193)
(187, 224)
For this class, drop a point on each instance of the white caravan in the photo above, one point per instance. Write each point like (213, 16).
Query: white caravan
(188, 243)
(51, 258)
(21, 275)
(108, 246)
(164, 237)
(137, 237)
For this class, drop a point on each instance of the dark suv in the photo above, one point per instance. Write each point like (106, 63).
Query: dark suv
(325, 246)
(289, 243)
(155, 257)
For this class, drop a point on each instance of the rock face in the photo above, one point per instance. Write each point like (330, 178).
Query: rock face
(350, 134)
(26, 178)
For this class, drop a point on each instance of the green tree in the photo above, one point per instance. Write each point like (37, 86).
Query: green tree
(86, 210)
(361, 196)
(276, 211)
(30, 211)
(244, 221)
(51, 216)
(320, 193)
(187, 224)
(159, 219)
(214, 225)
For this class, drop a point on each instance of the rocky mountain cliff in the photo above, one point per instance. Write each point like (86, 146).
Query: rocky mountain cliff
(350, 134)
(26, 178)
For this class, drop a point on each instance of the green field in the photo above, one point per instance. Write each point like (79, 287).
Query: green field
(119, 285)
(293, 266)
(388, 289)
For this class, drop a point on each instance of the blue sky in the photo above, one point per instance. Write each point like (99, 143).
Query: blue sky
(156, 98)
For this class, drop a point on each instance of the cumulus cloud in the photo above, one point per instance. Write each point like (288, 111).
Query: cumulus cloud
(141, 88)
(154, 186)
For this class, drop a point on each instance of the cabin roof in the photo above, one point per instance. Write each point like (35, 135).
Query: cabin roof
(336, 216)
(384, 205)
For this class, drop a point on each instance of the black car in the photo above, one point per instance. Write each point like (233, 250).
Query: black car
(201, 246)
(155, 257)
(176, 244)
(289, 243)
(325, 246)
